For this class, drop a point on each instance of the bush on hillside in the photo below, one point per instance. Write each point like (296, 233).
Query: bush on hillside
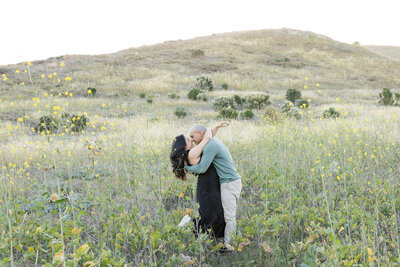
(49, 124)
(91, 92)
(293, 94)
(197, 94)
(330, 113)
(197, 53)
(205, 83)
(180, 112)
(172, 96)
(239, 100)
(302, 103)
(228, 113)
(271, 114)
(224, 102)
(290, 110)
(387, 98)
(257, 101)
(247, 114)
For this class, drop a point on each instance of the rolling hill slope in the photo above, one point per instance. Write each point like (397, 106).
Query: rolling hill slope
(263, 60)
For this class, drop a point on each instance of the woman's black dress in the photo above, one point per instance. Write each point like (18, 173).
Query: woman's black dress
(209, 198)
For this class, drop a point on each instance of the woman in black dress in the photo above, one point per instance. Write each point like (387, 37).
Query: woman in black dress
(208, 186)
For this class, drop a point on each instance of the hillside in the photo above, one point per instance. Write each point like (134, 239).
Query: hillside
(263, 60)
(392, 52)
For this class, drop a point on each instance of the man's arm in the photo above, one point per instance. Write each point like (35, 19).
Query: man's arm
(209, 154)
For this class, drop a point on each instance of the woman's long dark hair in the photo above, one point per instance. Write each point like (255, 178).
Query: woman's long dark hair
(178, 157)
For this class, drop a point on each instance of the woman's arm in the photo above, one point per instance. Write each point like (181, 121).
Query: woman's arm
(220, 125)
(194, 153)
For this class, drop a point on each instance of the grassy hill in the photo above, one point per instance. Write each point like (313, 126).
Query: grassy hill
(264, 60)
(392, 52)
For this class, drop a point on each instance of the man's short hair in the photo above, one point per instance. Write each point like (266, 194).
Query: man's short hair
(198, 128)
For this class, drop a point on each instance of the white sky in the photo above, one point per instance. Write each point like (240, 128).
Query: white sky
(39, 29)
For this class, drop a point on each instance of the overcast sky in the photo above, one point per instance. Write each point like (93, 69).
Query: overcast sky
(40, 29)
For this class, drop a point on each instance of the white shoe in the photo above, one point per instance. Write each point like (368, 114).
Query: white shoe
(184, 220)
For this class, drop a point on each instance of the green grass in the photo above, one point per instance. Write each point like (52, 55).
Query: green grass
(315, 191)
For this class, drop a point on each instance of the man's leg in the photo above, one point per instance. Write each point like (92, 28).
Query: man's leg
(230, 193)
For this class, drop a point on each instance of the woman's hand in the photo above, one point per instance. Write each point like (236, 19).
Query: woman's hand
(222, 124)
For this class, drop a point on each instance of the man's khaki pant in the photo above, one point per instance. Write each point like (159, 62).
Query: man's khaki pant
(230, 193)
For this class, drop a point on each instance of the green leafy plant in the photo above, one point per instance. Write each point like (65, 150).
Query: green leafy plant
(228, 113)
(224, 86)
(205, 83)
(197, 53)
(224, 102)
(91, 92)
(173, 96)
(271, 114)
(386, 97)
(293, 94)
(47, 124)
(239, 100)
(290, 110)
(247, 114)
(330, 113)
(142, 95)
(197, 94)
(50, 124)
(302, 103)
(257, 101)
(180, 112)
(75, 123)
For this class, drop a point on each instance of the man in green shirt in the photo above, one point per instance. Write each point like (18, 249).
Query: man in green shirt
(231, 185)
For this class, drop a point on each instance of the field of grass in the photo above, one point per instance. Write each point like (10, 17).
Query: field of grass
(315, 191)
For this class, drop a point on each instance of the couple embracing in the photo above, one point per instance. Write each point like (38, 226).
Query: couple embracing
(218, 185)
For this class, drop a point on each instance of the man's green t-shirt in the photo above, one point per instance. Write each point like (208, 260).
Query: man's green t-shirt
(216, 152)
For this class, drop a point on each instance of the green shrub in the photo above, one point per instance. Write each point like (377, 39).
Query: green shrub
(290, 110)
(202, 96)
(142, 95)
(228, 113)
(271, 114)
(224, 102)
(50, 124)
(47, 123)
(247, 114)
(286, 106)
(302, 103)
(75, 123)
(204, 83)
(197, 53)
(224, 86)
(257, 101)
(180, 112)
(330, 113)
(173, 96)
(91, 92)
(294, 112)
(386, 97)
(149, 100)
(292, 95)
(198, 94)
(239, 100)
(193, 93)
